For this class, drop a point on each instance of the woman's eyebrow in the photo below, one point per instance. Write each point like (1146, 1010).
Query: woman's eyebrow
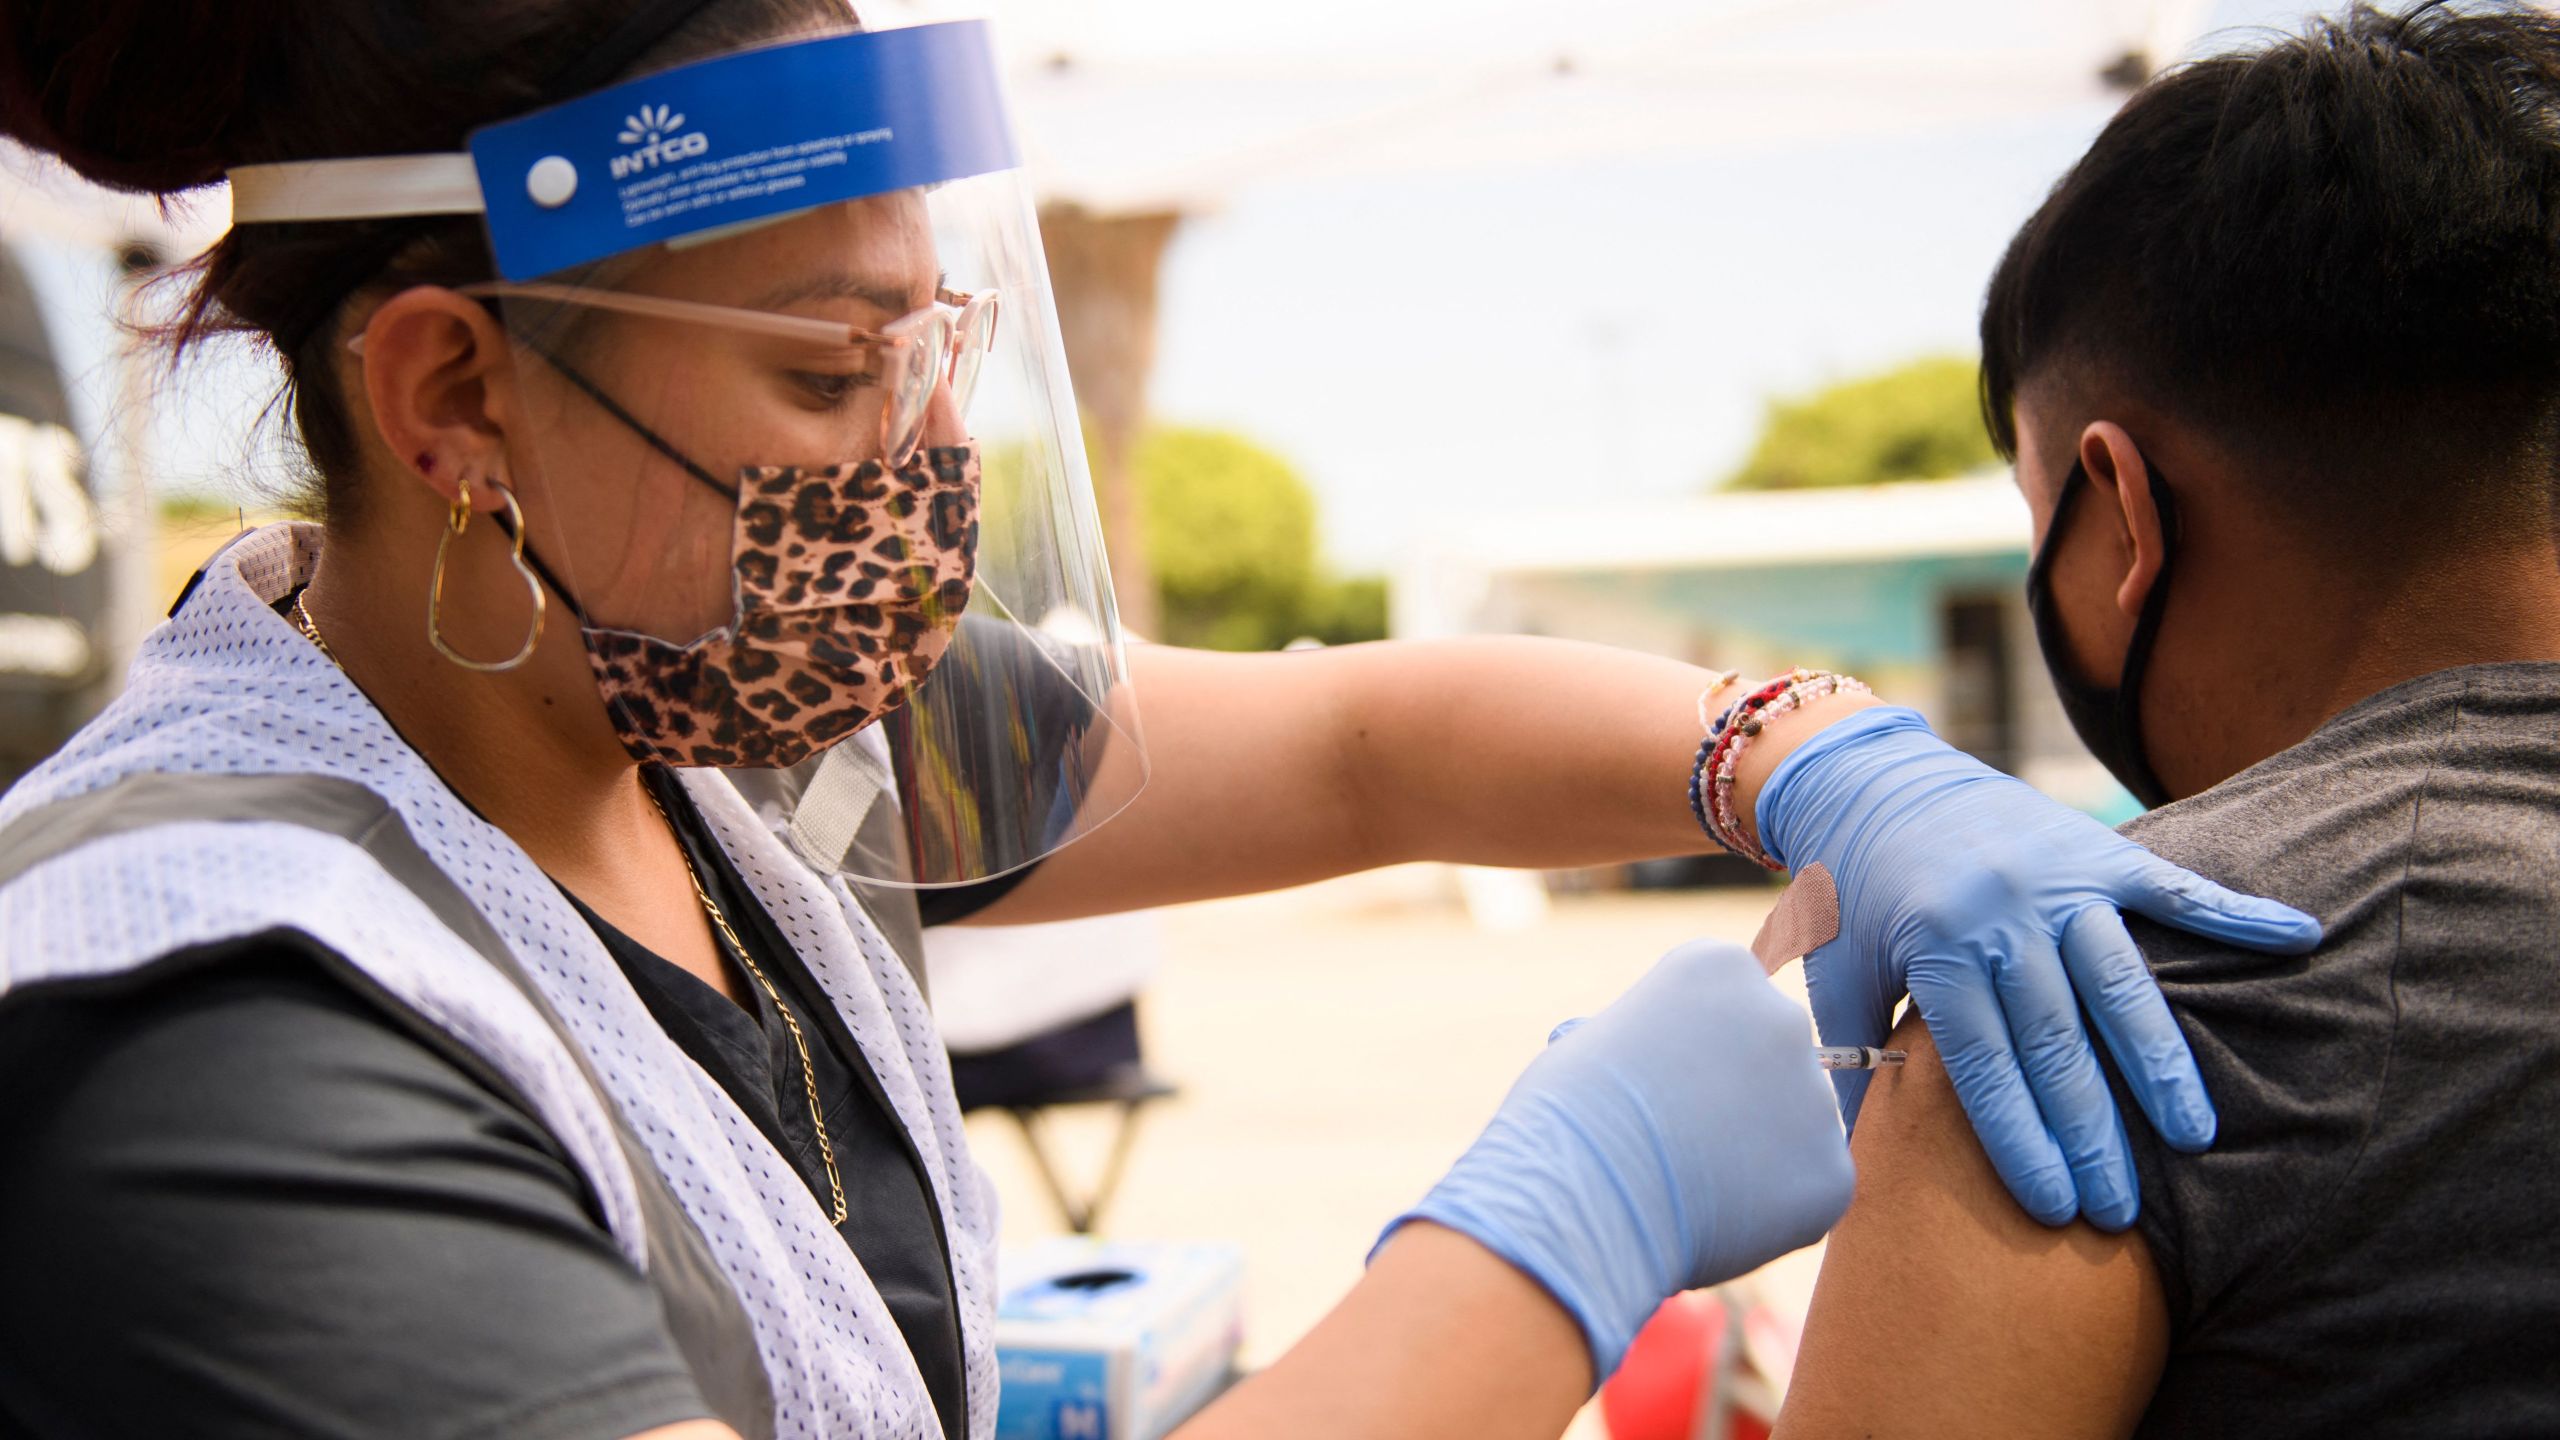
(893, 299)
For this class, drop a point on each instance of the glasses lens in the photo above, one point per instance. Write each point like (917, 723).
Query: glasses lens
(921, 358)
(968, 354)
(969, 346)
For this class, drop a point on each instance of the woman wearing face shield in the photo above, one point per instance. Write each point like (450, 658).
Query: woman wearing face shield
(455, 988)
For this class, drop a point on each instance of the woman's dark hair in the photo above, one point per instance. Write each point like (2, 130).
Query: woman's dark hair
(162, 98)
(2338, 254)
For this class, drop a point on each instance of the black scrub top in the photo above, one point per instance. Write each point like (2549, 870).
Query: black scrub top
(891, 1220)
(241, 1193)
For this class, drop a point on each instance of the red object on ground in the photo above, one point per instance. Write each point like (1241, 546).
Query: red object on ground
(1667, 1374)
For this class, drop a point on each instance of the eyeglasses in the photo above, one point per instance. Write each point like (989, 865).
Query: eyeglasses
(946, 342)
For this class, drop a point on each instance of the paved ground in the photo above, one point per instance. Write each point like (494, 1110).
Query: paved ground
(1337, 1047)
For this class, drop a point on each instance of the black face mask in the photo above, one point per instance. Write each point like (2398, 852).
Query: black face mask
(2108, 717)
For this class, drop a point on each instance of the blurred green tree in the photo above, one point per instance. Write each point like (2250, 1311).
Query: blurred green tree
(1231, 537)
(1918, 421)
(1346, 612)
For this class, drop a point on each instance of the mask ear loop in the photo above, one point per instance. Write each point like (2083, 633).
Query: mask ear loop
(457, 521)
(631, 422)
(2146, 632)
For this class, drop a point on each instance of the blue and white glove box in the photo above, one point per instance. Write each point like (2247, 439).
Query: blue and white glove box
(1101, 1340)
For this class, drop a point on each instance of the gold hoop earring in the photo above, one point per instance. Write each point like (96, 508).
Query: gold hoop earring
(457, 520)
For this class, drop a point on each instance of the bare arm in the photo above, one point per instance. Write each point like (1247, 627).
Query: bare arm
(1944, 1309)
(1440, 1340)
(1273, 770)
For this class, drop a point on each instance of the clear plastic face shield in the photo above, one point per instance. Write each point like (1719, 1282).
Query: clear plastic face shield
(789, 432)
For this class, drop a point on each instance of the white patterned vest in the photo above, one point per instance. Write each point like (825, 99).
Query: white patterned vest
(137, 849)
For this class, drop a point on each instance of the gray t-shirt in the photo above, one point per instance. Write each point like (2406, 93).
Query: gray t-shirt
(2372, 1247)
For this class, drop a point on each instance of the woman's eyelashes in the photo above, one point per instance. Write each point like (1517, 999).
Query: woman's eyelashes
(829, 388)
(829, 379)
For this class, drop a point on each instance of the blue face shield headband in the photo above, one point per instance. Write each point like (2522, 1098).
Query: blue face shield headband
(786, 260)
(686, 152)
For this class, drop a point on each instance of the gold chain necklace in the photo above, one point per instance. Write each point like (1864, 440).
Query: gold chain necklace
(808, 1068)
(303, 622)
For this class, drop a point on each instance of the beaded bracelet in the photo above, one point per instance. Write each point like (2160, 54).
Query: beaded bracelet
(1798, 686)
(1719, 757)
(1801, 687)
(1714, 688)
(1699, 789)
(1713, 728)
(1714, 763)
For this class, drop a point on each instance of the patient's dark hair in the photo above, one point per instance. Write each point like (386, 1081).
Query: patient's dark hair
(161, 98)
(2337, 254)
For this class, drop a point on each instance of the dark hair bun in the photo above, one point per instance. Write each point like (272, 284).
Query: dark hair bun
(141, 95)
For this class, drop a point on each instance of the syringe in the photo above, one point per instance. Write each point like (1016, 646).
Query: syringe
(1856, 1057)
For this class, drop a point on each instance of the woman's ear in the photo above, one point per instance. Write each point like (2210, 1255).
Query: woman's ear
(440, 379)
(2122, 478)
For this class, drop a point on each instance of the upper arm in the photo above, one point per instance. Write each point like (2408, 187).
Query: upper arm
(1272, 770)
(1441, 1339)
(1944, 1309)
(244, 1196)
(1246, 788)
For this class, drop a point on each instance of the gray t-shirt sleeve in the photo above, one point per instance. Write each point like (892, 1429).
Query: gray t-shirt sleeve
(2294, 1054)
(2294, 1049)
(241, 1198)
(2368, 1247)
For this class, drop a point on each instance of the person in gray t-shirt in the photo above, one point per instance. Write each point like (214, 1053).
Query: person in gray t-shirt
(2276, 364)
(2369, 1245)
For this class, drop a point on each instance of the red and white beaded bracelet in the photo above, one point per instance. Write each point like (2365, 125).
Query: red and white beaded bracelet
(1711, 788)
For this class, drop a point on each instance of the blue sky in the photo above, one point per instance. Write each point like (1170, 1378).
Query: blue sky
(1534, 337)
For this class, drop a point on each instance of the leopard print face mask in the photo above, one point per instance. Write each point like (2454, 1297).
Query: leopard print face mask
(850, 582)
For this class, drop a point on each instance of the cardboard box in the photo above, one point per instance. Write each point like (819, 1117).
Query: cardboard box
(1101, 1340)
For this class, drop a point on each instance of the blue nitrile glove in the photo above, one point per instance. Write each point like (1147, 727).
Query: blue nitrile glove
(1676, 1139)
(1997, 907)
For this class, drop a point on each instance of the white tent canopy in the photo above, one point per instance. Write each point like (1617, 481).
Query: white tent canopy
(1172, 104)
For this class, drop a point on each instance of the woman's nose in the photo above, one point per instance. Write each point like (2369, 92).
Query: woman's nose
(943, 423)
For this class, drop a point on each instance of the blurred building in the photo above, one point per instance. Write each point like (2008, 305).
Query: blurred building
(1918, 588)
